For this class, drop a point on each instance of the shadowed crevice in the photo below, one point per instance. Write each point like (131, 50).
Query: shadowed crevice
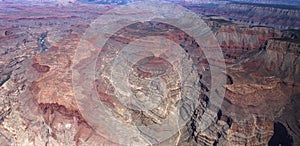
(281, 136)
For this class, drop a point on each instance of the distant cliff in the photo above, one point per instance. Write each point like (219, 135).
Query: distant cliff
(254, 14)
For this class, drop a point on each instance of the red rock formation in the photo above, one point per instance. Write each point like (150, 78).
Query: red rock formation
(38, 106)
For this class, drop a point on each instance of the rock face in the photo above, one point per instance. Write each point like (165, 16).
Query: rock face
(281, 16)
(38, 105)
(236, 40)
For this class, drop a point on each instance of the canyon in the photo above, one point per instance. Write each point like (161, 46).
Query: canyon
(39, 105)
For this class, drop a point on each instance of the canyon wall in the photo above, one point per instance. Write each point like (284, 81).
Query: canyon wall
(38, 104)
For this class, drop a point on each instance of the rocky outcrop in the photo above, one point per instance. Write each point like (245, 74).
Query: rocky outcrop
(279, 58)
